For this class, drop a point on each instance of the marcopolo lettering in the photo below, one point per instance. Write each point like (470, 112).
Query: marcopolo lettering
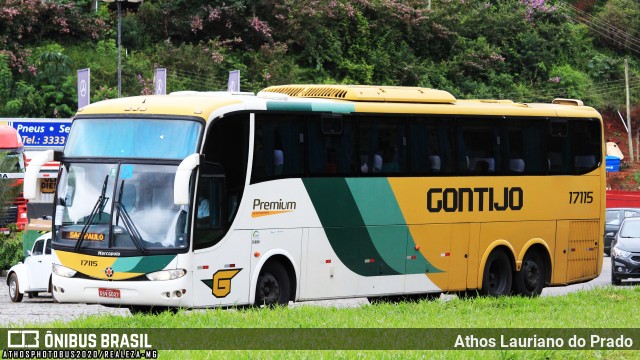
(474, 199)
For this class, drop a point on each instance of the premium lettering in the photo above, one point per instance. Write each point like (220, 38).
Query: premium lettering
(474, 199)
(273, 205)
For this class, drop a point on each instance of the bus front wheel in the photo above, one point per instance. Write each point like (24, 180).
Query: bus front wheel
(273, 285)
(530, 279)
(497, 277)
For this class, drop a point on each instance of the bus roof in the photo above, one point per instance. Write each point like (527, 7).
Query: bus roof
(332, 98)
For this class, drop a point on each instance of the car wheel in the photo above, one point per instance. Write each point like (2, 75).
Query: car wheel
(614, 279)
(14, 288)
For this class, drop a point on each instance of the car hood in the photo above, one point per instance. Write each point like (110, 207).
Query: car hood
(609, 228)
(628, 244)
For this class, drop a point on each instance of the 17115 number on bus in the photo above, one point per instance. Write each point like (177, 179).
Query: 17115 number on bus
(580, 197)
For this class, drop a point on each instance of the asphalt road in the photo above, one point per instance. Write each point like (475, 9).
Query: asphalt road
(42, 309)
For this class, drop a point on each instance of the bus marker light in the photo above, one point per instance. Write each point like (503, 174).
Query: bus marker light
(368, 261)
(227, 266)
(417, 247)
(328, 261)
(411, 257)
(445, 254)
(178, 293)
(256, 254)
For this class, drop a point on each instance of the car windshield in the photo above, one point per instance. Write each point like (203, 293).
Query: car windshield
(630, 229)
(119, 206)
(613, 217)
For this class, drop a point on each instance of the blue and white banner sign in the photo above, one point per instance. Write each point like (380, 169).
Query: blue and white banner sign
(160, 81)
(41, 134)
(234, 81)
(84, 87)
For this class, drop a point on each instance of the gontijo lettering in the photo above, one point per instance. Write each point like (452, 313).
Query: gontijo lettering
(474, 199)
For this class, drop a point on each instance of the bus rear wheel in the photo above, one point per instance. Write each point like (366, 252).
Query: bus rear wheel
(530, 279)
(273, 286)
(497, 277)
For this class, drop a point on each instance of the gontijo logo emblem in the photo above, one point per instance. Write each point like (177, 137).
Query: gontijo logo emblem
(266, 208)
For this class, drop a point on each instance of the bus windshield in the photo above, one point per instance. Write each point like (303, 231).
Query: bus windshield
(119, 206)
(133, 138)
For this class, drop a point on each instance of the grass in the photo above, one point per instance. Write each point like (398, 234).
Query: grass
(606, 307)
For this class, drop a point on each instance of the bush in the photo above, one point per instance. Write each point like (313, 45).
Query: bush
(10, 249)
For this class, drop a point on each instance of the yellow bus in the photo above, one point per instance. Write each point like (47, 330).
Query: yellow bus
(306, 192)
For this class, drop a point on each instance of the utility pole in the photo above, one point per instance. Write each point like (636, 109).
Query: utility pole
(630, 133)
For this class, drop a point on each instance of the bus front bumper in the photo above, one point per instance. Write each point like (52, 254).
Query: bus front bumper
(171, 293)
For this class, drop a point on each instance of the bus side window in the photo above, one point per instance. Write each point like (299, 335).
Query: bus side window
(523, 153)
(587, 146)
(479, 146)
(331, 152)
(559, 147)
(382, 145)
(278, 149)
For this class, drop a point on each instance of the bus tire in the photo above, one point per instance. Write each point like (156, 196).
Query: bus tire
(14, 288)
(273, 286)
(497, 276)
(530, 280)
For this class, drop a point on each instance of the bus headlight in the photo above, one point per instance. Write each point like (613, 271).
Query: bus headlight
(62, 271)
(166, 275)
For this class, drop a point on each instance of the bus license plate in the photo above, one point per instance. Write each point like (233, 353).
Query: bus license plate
(109, 293)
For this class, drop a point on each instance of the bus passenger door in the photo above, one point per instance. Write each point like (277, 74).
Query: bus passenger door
(220, 261)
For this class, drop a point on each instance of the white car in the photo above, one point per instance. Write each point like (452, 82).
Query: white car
(34, 275)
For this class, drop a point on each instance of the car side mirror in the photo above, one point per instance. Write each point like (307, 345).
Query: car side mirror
(28, 252)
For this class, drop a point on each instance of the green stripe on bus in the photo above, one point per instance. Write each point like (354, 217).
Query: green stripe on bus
(378, 205)
(288, 106)
(307, 106)
(334, 107)
(345, 228)
(142, 264)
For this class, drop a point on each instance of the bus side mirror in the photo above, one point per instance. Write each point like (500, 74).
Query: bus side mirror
(30, 186)
(182, 179)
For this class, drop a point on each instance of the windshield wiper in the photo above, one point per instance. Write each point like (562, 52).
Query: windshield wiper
(128, 222)
(99, 206)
